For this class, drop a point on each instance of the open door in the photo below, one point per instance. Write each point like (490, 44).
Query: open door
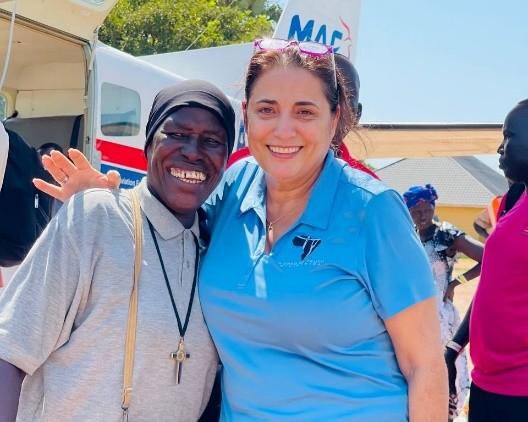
(75, 17)
(44, 93)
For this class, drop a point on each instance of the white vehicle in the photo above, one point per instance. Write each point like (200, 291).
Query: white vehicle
(61, 85)
(332, 22)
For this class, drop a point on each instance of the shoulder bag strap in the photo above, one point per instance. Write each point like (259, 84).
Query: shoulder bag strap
(133, 306)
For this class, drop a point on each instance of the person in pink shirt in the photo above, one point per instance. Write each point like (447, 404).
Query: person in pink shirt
(498, 328)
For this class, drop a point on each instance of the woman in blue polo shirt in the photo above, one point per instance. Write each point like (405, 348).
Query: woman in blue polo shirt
(315, 288)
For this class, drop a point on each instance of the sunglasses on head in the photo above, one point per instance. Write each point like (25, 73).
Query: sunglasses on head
(310, 48)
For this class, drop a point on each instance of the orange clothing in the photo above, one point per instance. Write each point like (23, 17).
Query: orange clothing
(493, 209)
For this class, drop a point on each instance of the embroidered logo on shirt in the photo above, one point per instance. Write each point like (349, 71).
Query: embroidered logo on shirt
(307, 244)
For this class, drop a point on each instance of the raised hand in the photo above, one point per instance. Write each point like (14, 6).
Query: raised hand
(73, 176)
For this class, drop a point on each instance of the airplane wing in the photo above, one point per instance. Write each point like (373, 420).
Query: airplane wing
(224, 66)
(335, 22)
(332, 22)
(76, 17)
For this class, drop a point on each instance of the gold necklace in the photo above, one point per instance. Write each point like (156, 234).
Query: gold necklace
(269, 224)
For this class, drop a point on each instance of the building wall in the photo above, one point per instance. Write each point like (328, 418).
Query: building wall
(462, 217)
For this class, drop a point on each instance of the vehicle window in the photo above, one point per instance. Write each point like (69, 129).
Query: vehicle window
(120, 110)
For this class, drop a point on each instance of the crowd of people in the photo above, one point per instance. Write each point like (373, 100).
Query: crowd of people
(324, 294)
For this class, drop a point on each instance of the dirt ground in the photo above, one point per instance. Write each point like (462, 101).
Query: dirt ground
(465, 292)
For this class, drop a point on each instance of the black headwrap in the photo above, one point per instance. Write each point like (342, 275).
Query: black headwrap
(191, 93)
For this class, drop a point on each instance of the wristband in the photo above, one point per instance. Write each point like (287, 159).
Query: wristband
(462, 279)
(454, 346)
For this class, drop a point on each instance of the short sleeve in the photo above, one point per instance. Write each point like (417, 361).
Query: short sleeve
(396, 268)
(446, 234)
(38, 306)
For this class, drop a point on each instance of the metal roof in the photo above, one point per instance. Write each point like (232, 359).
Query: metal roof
(459, 181)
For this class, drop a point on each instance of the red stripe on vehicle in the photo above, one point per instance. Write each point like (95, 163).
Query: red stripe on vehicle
(122, 155)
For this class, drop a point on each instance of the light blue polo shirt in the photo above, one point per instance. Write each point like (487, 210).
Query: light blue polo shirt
(300, 331)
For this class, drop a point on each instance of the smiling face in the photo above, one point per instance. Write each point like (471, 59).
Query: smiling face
(289, 124)
(186, 160)
(422, 215)
(513, 150)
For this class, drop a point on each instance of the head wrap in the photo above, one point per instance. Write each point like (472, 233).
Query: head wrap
(417, 194)
(191, 93)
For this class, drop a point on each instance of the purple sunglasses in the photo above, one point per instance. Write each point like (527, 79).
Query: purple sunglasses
(310, 48)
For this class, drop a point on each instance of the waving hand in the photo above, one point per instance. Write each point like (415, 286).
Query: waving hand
(73, 176)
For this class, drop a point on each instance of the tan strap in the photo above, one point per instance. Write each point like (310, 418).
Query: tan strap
(133, 306)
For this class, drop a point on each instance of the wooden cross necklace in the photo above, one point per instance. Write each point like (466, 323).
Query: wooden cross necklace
(180, 354)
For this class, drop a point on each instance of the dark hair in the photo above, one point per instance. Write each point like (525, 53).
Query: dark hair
(351, 80)
(321, 67)
(51, 146)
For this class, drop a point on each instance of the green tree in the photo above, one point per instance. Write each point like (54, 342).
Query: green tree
(258, 7)
(158, 26)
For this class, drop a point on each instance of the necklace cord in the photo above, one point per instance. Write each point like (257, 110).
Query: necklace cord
(270, 224)
(182, 329)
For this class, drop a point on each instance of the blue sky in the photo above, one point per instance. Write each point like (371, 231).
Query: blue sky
(442, 61)
(451, 60)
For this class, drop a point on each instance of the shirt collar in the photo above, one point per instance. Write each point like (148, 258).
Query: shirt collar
(318, 209)
(255, 196)
(165, 223)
